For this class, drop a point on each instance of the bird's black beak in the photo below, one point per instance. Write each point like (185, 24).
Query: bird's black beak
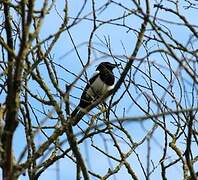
(116, 65)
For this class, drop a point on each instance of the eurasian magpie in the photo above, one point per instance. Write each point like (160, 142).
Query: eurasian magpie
(101, 82)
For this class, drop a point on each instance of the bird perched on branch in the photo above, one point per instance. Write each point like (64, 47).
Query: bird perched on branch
(101, 82)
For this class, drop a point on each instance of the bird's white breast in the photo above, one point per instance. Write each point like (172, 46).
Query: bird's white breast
(99, 88)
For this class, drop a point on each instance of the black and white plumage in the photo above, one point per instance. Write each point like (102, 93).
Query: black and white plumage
(101, 82)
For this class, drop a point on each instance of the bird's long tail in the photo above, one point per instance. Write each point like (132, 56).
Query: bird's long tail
(73, 114)
(76, 116)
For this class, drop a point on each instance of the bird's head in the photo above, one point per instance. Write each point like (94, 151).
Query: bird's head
(107, 65)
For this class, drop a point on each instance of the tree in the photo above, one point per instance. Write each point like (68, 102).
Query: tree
(149, 126)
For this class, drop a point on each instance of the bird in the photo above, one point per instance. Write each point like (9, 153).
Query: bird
(98, 85)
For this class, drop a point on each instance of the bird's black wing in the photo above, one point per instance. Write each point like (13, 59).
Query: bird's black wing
(86, 99)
